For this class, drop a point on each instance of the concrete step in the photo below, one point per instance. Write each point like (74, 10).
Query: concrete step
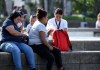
(85, 43)
(75, 60)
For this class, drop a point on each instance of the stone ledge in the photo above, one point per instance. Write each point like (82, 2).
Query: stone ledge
(83, 30)
(86, 45)
(75, 60)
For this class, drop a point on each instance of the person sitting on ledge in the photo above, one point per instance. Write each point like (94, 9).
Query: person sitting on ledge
(13, 41)
(39, 42)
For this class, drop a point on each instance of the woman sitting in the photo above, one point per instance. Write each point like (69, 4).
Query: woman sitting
(13, 41)
(39, 41)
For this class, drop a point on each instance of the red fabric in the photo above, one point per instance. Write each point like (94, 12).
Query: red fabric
(61, 40)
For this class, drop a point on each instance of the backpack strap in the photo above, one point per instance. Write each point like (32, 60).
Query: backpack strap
(58, 25)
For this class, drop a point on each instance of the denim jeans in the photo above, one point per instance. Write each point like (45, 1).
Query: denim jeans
(15, 49)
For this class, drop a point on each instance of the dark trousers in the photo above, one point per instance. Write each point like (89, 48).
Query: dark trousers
(50, 56)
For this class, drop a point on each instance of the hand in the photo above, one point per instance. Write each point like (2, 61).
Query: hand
(50, 42)
(51, 48)
(70, 47)
(50, 31)
(24, 36)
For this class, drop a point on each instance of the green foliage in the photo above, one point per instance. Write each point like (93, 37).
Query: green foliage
(76, 6)
(92, 7)
(1, 6)
(31, 5)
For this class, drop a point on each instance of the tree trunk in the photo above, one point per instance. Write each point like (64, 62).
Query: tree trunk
(69, 7)
(65, 7)
(8, 4)
(51, 6)
(96, 7)
(46, 5)
(41, 2)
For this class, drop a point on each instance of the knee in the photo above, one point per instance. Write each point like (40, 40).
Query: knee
(56, 51)
(16, 50)
(51, 59)
(29, 49)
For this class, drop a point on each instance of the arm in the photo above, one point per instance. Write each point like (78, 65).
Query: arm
(14, 32)
(65, 25)
(44, 41)
(49, 28)
(50, 32)
(65, 29)
(28, 31)
(28, 28)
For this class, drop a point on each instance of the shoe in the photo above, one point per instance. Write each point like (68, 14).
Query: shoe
(61, 69)
(33, 69)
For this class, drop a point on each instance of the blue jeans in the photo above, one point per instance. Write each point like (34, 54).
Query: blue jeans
(15, 49)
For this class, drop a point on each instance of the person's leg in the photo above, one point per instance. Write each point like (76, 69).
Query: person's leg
(57, 54)
(44, 52)
(27, 50)
(15, 52)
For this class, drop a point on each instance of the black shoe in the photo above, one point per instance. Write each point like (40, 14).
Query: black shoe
(33, 69)
(61, 69)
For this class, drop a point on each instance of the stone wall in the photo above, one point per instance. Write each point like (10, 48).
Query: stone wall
(76, 60)
(77, 24)
(86, 45)
(85, 56)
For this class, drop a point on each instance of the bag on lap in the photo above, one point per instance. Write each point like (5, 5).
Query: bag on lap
(61, 40)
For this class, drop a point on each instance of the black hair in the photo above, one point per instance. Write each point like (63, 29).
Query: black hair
(41, 13)
(59, 11)
(14, 15)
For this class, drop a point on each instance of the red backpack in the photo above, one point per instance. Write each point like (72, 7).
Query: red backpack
(61, 40)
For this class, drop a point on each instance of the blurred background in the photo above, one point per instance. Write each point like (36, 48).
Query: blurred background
(78, 13)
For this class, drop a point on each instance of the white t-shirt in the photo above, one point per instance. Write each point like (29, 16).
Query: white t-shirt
(97, 24)
(52, 24)
(34, 37)
(28, 27)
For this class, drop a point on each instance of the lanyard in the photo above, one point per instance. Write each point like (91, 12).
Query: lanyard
(58, 25)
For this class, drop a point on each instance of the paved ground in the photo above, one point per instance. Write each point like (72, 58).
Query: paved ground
(85, 38)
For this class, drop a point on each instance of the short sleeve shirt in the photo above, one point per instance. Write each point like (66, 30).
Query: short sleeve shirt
(34, 37)
(6, 36)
